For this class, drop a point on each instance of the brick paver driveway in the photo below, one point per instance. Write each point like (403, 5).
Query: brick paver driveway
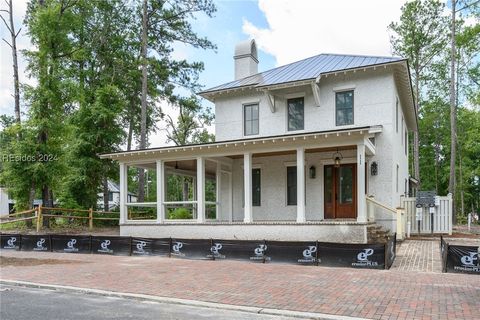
(376, 294)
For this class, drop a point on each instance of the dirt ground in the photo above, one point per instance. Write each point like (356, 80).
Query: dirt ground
(104, 231)
(27, 262)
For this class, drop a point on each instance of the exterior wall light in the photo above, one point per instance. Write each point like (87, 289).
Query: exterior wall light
(374, 168)
(313, 172)
(337, 158)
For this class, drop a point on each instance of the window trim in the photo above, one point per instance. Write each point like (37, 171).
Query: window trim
(353, 107)
(293, 97)
(396, 114)
(244, 121)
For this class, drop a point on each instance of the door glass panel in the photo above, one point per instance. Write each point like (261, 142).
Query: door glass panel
(345, 184)
(328, 184)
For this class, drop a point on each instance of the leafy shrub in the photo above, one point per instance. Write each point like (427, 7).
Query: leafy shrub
(180, 213)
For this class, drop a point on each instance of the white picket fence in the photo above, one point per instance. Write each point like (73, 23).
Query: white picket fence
(442, 218)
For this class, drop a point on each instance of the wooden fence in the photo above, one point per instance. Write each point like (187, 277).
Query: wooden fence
(40, 212)
(442, 217)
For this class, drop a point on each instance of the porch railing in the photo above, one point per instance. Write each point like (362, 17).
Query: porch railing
(394, 219)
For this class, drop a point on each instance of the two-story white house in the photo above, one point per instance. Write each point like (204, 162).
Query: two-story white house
(298, 150)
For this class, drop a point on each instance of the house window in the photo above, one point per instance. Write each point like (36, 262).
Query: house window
(397, 177)
(250, 116)
(110, 196)
(295, 114)
(396, 114)
(402, 131)
(344, 108)
(256, 187)
(406, 141)
(291, 186)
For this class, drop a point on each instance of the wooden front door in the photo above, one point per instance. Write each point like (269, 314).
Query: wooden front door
(340, 192)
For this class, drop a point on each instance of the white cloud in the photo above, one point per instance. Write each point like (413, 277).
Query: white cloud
(302, 28)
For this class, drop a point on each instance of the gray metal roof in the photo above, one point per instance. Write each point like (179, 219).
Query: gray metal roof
(305, 69)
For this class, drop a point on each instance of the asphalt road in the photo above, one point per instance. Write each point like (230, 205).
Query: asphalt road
(18, 303)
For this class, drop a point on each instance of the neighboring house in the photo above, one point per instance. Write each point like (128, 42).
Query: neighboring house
(298, 148)
(4, 201)
(114, 197)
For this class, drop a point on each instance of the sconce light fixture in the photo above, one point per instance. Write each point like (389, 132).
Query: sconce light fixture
(313, 172)
(337, 158)
(374, 168)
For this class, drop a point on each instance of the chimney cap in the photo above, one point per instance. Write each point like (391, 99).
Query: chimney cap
(246, 48)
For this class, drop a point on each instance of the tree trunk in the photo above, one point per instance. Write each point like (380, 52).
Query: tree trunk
(416, 158)
(185, 188)
(15, 63)
(453, 117)
(106, 193)
(143, 113)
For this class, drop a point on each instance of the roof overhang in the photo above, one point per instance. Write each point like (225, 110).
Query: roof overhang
(323, 139)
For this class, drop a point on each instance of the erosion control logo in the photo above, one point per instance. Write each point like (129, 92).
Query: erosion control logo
(470, 262)
(260, 253)
(308, 254)
(11, 243)
(176, 247)
(140, 248)
(215, 251)
(104, 247)
(40, 245)
(71, 246)
(362, 259)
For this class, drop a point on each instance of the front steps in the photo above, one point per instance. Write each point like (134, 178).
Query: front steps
(376, 234)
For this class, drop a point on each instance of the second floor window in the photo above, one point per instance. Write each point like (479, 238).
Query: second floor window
(344, 108)
(250, 116)
(295, 114)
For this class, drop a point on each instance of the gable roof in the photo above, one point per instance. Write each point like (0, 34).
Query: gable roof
(305, 69)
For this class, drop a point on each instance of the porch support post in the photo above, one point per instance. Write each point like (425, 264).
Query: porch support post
(200, 190)
(218, 177)
(301, 185)
(361, 199)
(123, 193)
(160, 191)
(247, 183)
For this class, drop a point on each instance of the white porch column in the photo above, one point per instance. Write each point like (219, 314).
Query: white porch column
(200, 190)
(123, 193)
(247, 183)
(301, 185)
(218, 177)
(160, 191)
(361, 200)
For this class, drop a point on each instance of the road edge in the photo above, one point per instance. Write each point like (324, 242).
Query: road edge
(187, 302)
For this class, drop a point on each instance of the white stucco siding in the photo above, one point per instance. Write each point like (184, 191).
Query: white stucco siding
(274, 183)
(372, 105)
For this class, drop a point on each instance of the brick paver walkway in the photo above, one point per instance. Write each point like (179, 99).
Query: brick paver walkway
(418, 255)
(375, 294)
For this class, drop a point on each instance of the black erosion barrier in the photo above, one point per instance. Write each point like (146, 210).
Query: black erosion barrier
(460, 259)
(370, 256)
(71, 243)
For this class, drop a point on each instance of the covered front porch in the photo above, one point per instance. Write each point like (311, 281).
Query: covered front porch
(249, 189)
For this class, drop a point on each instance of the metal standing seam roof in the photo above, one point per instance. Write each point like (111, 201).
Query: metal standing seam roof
(305, 69)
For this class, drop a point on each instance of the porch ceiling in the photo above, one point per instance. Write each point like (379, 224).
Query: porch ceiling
(311, 141)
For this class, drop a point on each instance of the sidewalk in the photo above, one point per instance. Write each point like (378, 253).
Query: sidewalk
(375, 294)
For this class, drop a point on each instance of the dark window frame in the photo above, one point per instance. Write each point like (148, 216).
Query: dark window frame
(245, 121)
(302, 113)
(256, 198)
(294, 201)
(337, 93)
